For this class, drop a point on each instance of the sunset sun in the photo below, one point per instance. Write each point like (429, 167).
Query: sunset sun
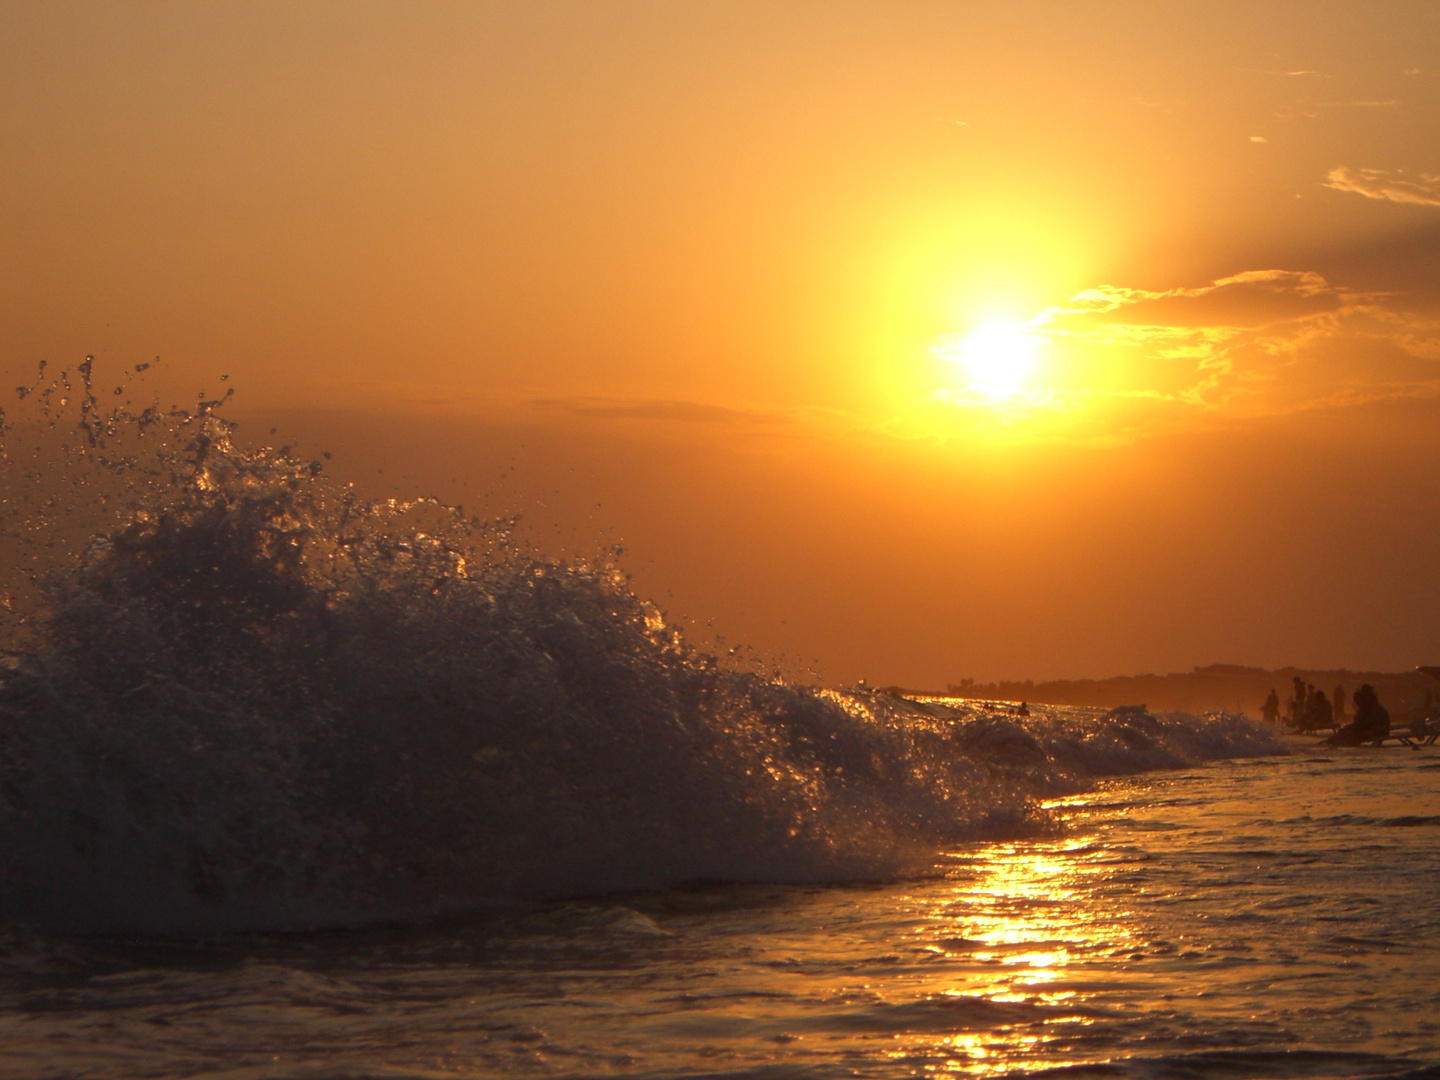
(995, 359)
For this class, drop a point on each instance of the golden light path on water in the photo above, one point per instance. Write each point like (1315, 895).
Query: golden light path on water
(1025, 915)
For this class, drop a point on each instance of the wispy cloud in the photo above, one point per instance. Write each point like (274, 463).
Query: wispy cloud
(1422, 189)
(664, 410)
(1310, 110)
(1126, 360)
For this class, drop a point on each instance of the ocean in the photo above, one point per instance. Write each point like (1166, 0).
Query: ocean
(299, 784)
(1267, 917)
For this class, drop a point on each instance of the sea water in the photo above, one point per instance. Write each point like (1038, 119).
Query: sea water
(1262, 917)
(296, 783)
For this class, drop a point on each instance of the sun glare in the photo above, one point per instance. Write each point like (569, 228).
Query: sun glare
(997, 358)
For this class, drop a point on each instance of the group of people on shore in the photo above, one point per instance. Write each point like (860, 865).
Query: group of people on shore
(1310, 710)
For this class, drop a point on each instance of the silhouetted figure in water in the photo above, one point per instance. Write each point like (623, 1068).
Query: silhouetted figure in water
(1297, 703)
(1271, 709)
(1023, 710)
(1318, 713)
(1339, 701)
(1372, 720)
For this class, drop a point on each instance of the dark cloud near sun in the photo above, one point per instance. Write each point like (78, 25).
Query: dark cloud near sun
(1258, 343)
(1404, 263)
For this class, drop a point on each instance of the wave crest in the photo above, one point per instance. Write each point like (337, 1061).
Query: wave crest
(258, 700)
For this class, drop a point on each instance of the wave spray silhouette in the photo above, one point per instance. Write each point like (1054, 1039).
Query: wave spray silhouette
(242, 696)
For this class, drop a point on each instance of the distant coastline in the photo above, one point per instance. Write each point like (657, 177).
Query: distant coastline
(1229, 687)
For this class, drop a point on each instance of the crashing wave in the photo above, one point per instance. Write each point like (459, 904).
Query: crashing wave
(257, 700)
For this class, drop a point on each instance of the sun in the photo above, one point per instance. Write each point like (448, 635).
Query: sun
(997, 358)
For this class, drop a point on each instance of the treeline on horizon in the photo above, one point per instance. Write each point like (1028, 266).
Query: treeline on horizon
(1228, 687)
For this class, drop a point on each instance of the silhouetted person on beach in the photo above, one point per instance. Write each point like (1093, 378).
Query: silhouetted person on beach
(1024, 710)
(1339, 701)
(1372, 720)
(1271, 709)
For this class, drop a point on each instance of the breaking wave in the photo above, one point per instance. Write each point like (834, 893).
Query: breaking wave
(253, 699)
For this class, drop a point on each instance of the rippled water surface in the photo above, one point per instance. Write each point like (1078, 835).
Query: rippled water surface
(1268, 917)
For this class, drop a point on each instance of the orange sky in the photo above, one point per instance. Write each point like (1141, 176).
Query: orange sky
(717, 268)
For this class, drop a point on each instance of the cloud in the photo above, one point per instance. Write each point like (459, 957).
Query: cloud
(1250, 299)
(1422, 189)
(1310, 110)
(665, 410)
(1125, 361)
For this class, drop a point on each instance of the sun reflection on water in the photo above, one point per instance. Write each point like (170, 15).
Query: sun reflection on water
(1020, 926)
